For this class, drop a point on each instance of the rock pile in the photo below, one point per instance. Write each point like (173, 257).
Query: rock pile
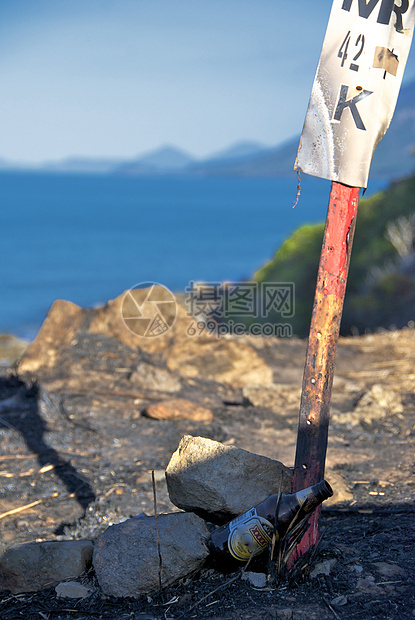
(144, 553)
(81, 364)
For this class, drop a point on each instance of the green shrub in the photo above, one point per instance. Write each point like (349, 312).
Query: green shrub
(371, 302)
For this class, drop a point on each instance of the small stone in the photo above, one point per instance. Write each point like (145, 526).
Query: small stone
(341, 491)
(72, 589)
(285, 614)
(339, 601)
(384, 397)
(375, 404)
(278, 396)
(388, 571)
(179, 409)
(323, 568)
(257, 580)
(368, 585)
(151, 377)
(48, 405)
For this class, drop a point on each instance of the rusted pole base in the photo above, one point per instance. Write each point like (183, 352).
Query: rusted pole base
(322, 345)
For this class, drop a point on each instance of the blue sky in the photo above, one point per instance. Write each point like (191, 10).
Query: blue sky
(117, 78)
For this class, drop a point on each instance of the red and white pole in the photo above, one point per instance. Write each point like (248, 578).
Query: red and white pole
(322, 346)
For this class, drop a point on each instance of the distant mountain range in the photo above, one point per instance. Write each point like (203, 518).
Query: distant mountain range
(394, 158)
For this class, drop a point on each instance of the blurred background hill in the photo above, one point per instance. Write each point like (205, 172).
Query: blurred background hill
(393, 158)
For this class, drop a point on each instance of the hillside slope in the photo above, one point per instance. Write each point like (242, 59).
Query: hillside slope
(381, 286)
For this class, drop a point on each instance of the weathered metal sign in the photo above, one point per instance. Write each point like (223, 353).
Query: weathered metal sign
(356, 87)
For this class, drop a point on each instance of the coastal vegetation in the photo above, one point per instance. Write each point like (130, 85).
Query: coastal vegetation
(381, 286)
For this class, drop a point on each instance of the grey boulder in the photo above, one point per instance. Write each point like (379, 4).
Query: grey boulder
(126, 558)
(218, 482)
(37, 565)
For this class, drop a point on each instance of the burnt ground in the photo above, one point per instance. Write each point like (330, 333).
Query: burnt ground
(76, 456)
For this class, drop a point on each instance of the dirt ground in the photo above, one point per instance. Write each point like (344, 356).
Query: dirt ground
(83, 456)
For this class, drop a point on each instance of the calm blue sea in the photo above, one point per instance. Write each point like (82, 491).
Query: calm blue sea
(88, 238)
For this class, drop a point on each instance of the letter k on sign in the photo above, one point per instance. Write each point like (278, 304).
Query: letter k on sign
(344, 103)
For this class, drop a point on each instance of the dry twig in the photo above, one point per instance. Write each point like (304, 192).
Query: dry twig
(21, 508)
(27, 506)
(29, 472)
(274, 535)
(157, 527)
(336, 615)
(7, 457)
(222, 585)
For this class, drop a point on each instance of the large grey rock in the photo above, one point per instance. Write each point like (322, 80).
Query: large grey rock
(126, 559)
(52, 355)
(218, 482)
(33, 566)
